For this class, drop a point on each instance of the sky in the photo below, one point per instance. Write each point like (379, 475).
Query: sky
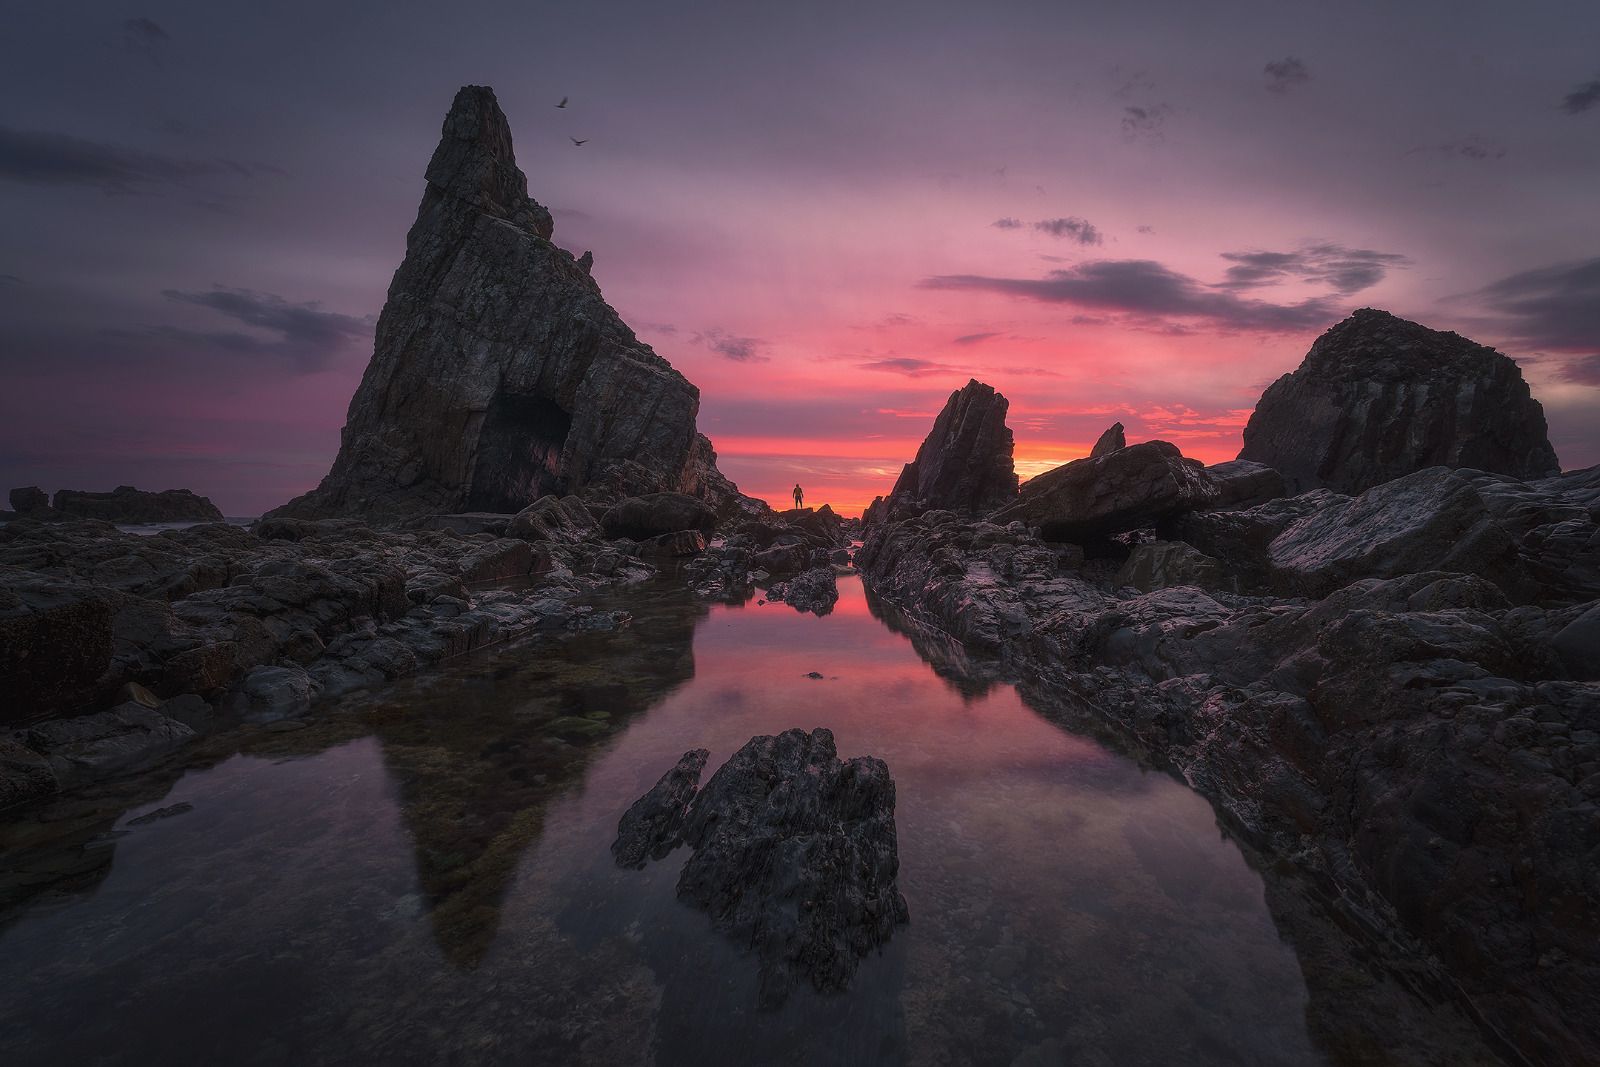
(827, 216)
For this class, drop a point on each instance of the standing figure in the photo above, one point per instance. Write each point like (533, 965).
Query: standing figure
(799, 495)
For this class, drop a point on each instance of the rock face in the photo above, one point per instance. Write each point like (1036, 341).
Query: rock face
(1090, 499)
(1109, 442)
(795, 853)
(127, 504)
(1378, 397)
(965, 462)
(643, 517)
(499, 374)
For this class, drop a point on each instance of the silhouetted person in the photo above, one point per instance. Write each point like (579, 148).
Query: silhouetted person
(799, 495)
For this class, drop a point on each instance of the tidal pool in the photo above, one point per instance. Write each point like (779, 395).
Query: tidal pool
(423, 876)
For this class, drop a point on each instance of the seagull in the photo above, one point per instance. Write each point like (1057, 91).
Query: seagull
(563, 102)
(576, 141)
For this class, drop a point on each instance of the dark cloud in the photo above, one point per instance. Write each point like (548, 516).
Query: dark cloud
(1073, 228)
(1474, 148)
(738, 349)
(1582, 98)
(1285, 74)
(1145, 229)
(1585, 371)
(39, 157)
(974, 338)
(1144, 122)
(1344, 270)
(916, 368)
(1007, 223)
(1150, 294)
(146, 37)
(1555, 308)
(308, 339)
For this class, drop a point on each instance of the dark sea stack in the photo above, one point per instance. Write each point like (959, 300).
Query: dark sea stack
(1091, 499)
(499, 374)
(29, 500)
(127, 504)
(1379, 397)
(795, 853)
(965, 462)
(1109, 442)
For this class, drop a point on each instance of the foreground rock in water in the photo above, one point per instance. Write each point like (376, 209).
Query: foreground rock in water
(499, 374)
(795, 853)
(1088, 500)
(1404, 704)
(1378, 397)
(964, 464)
(815, 590)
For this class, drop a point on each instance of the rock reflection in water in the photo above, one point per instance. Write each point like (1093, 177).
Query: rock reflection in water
(424, 875)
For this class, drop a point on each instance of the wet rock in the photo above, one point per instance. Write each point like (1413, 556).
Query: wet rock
(795, 854)
(29, 500)
(643, 517)
(1578, 645)
(499, 373)
(1159, 564)
(1378, 397)
(782, 559)
(564, 520)
(269, 693)
(1110, 441)
(965, 462)
(127, 737)
(505, 557)
(815, 590)
(168, 812)
(24, 774)
(1432, 520)
(652, 826)
(1091, 499)
(673, 545)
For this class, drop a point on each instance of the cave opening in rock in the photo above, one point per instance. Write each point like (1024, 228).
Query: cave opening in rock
(519, 453)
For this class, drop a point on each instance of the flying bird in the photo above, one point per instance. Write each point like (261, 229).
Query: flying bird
(563, 102)
(576, 141)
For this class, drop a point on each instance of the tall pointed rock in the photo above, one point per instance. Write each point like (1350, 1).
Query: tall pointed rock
(964, 464)
(499, 374)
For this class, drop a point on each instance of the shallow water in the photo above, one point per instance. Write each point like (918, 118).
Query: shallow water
(424, 876)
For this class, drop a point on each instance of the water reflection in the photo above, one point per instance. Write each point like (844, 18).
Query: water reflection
(424, 875)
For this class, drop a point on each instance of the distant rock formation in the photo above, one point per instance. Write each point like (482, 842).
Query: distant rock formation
(795, 853)
(1109, 442)
(1091, 499)
(29, 500)
(127, 504)
(965, 462)
(499, 374)
(1379, 397)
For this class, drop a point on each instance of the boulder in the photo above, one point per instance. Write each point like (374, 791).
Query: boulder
(965, 463)
(1091, 499)
(815, 590)
(1244, 484)
(673, 545)
(502, 558)
(29, 500)
(564, 520)
(127, 504)
(1160, 564)
(127, 737)
(795, 854)
(1378, 397)
(818, 527)
(1432, 520)
(499, 373)
(642, 517)
(1109, 441)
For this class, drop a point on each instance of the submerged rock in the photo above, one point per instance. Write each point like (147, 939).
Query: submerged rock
(1378, 397)
(795, 854)
(499, 374)
(1092, 499)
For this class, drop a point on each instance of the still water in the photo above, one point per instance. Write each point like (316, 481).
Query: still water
(424, 876)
